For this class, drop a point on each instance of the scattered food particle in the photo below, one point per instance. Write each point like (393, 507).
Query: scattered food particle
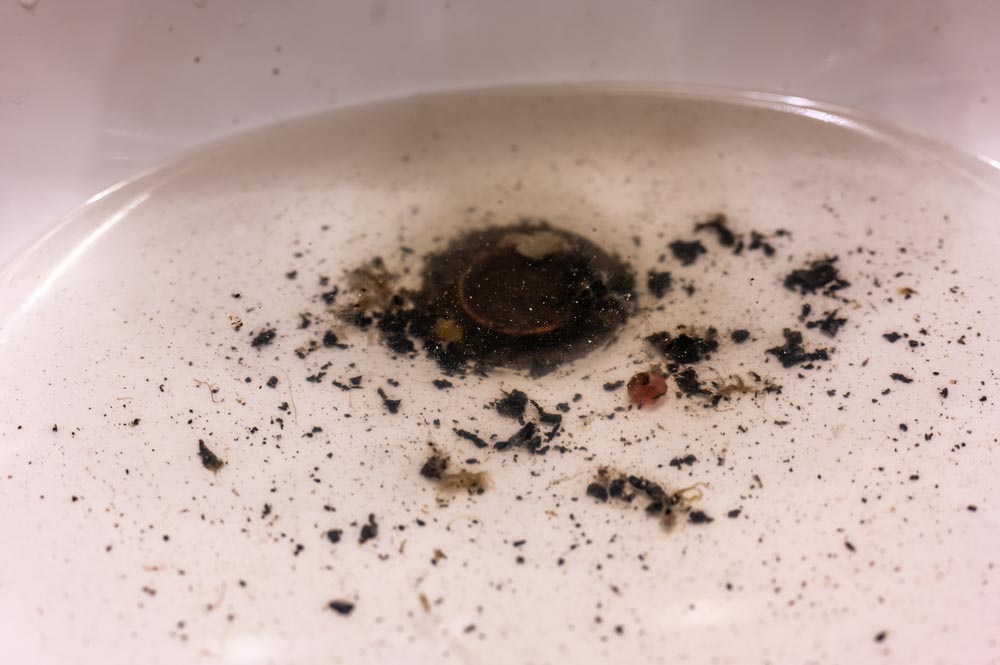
(341, 606)
(209, 460)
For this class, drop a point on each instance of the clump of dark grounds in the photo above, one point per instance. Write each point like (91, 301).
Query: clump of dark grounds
(612, 486)
(792, 352)
(527, 296)
(819, 276)
(685, 348)
(537, 429)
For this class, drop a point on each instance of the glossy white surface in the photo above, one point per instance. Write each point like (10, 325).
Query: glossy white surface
(94, 92)
(122, 548)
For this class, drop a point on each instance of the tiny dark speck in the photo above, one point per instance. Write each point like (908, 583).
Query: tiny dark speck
(849, 546)
(341, 607)
(893, 337)
(209, 459)
(740, 336)
(442, 384)
(971, 508)
(902, 378)
(733, 514)
(613, 385)
(915, 477)
(880, 636)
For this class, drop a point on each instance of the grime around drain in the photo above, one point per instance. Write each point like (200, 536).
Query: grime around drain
(529, 299)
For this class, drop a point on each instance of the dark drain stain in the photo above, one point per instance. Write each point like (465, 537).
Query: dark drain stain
(528, 296)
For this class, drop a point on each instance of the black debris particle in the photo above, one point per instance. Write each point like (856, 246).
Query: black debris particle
(689, 383)
(758, 241)
(717, 225)
(341, 606)
(850, 546)
(272, 382)
(625, 488)
(265, 511)
(598, 491)
(740, 336)
(526, 437)
(334, 535)
(793, 353)
(699, 517)
(829, 325)
(442, 384)
(687, 252)
(369, 531)
(264, 338)
(209, 460)
(734, 513)
(685, 349)
(880, 636)
(612, 386)
(477, 441)
(658, 283)
(971, 508)
(329, 297)
(902, 378)
(944, 393)
(434, 467)
(893, 337)
(392, 405)
(820, 276)
(687, 460)
(546, 417)
(513, 404)
(330, 340)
